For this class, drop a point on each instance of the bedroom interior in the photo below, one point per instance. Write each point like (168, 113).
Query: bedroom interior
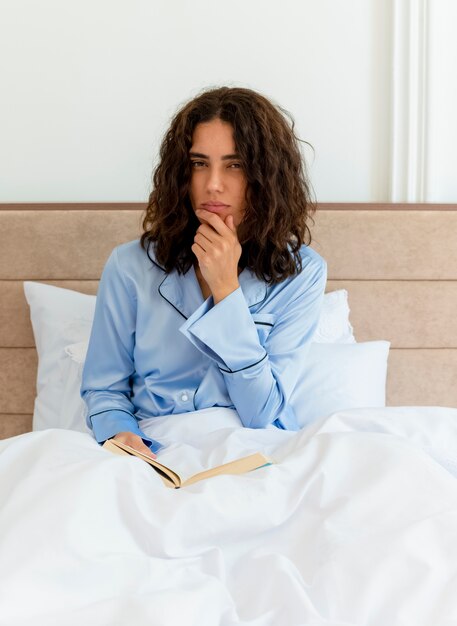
(354, 522)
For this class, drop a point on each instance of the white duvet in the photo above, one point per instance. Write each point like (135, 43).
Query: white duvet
(356, 523)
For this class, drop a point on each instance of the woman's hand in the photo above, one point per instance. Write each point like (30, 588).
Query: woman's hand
(218, 251)
(134, 441)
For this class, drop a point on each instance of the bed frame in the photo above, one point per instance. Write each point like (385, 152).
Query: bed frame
(397, 261)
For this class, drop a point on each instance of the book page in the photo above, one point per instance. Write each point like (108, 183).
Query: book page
(186, 461)
(184, 464)
(237, 466)
(170, 477)
(183, 459)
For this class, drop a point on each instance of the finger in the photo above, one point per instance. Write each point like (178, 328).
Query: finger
(198, 251)
(203, 242)
(143, 449)
(230, 223)
(146, 451)
(135, 442)
(214, 220)
(208, 231)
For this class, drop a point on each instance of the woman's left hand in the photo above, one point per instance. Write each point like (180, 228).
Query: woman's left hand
(218, 251)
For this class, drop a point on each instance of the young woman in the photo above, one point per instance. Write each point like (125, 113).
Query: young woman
(217, 302)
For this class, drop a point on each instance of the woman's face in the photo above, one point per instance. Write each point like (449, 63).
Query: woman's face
(218, 182)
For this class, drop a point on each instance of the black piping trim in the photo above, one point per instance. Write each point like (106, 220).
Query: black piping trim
(152, 260)
(193, 399)
(264, 323)
(106, 411)
(243, 368)
(163, 270)
(167, 300)
(260, 301)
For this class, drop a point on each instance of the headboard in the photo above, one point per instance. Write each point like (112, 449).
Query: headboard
(397, 261)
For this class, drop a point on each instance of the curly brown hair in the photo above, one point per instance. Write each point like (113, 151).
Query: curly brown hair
(278, 198)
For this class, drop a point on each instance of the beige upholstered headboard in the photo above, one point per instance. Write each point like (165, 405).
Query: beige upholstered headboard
(398, 263)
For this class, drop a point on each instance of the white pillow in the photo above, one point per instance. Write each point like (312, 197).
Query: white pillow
(341, 376)
(334, 325)
(63, 317)
(59, 317)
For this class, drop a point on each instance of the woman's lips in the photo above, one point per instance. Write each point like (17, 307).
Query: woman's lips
(215, 208)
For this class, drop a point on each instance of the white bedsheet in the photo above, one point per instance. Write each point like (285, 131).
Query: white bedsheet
(355, 524)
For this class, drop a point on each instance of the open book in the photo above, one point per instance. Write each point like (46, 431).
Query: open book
(174, 480)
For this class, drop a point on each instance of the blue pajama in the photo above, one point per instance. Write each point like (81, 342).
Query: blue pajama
(157, 347)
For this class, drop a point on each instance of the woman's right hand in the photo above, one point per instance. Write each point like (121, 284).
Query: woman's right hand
(134, 441)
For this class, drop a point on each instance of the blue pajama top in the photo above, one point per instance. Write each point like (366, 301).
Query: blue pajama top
(157, 347)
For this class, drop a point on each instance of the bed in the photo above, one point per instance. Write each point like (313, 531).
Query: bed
(355, 521)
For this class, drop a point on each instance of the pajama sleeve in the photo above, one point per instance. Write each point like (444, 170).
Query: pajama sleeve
(109, 364)
(262, 357)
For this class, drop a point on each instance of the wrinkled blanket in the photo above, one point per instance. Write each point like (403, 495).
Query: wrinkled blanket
(355, 523)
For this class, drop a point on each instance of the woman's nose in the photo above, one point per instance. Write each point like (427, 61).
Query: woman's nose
(214, 181)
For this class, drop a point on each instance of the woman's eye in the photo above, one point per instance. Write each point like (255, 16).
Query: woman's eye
(199, 164)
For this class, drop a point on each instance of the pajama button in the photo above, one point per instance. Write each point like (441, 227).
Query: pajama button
(184, 397)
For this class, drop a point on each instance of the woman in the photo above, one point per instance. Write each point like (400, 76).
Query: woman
(217, 302)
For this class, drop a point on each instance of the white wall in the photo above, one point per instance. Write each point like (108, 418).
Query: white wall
(89, 87)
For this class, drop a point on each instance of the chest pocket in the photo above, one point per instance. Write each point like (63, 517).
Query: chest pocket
(264, 323)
